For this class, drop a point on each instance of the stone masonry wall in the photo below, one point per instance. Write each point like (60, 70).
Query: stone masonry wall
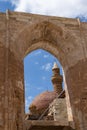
(59, 110)
(77, 82)
(16, 87)
(2, 87)
(21, 33)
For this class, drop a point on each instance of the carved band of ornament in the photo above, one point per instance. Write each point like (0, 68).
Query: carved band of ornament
(71, 25)
(23, 19)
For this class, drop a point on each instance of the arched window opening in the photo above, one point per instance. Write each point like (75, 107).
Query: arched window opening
(43, 77)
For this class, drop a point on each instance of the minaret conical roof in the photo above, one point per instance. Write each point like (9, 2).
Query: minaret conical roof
(55, 66)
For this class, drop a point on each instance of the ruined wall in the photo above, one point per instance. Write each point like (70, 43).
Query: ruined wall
(21, 33)
(58, 109)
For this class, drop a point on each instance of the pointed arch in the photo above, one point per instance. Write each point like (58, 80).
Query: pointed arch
(44, 35)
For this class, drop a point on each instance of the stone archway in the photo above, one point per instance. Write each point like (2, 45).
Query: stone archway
(49, 37)
(47, 46)
(60, 36)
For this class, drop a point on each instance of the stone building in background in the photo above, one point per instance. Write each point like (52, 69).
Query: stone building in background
(66, 39)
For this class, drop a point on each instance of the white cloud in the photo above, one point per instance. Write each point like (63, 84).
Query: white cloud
(30, 97)
(66, 8)
(27, 84)
(36, 63)
(46, 67)
(45, 56)
(39, 88)
(43, 78)
(28, 102)
(36, 53)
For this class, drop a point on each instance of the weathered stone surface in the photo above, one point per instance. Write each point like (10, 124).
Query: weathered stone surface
(46, 125)
(21, 33)
(59, 110)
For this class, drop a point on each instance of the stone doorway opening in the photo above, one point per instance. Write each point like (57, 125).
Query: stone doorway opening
(50, 39)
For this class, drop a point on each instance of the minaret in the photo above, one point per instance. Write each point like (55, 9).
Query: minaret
(57, 79)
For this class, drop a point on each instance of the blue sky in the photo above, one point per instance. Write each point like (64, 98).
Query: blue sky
(38, 71)
(38, 79)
